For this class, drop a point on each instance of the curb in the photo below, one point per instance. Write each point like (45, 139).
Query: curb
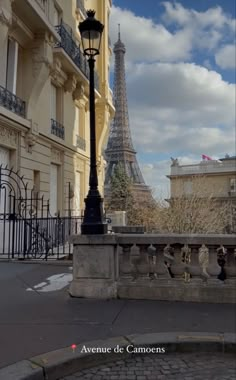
(56, 364)
(54, 262)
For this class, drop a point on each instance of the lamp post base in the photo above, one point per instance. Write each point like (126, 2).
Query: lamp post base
(94, 222)
(94, 229)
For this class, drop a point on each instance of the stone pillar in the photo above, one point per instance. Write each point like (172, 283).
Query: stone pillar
(94, 266)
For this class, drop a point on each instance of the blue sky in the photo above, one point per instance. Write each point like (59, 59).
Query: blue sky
(180, 73)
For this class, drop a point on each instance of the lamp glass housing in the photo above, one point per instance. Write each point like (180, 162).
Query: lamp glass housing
(91, 33)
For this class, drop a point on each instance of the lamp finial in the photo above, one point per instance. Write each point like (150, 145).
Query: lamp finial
(90, 13)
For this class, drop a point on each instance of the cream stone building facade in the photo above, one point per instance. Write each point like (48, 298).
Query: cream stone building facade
(44, 92)
(213, 178)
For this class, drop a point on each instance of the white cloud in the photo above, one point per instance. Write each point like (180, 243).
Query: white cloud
(176, 108)
(149, 41)
(155, 177)
(215, 17)
(226, 57)
(155, 174)
(208, 28)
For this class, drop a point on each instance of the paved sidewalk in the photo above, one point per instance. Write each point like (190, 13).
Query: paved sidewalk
(188, 366)
(36, 318)
(152, 356)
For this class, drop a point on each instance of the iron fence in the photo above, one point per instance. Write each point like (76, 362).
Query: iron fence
(27, 229)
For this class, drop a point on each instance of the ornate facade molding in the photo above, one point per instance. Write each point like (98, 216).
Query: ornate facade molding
(56, 156)
(56, 72)
(4, 20)
(79, 166)
(30, 140)
(6, 14)
(31, 136)
(70, 83)
(79, 92)
(42, 53)
(9, 137)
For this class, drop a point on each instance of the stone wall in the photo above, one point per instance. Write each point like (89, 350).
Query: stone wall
(197, 268)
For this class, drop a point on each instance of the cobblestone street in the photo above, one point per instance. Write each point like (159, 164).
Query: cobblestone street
(159, 367)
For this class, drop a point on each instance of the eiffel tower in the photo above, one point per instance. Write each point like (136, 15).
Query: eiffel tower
(120, 147)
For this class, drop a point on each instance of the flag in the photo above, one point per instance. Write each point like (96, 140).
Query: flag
(206, 158)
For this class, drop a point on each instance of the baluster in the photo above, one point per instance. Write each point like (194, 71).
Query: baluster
(213, 268)
(178, 267)
(230, 267)
(160, 268)
(194, 268)
(152, 260)
(142, 264)
(125, 265)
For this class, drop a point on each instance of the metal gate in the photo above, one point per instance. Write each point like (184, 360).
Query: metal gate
(27, 229)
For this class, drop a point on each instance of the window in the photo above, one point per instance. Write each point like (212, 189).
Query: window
(36, 182)
(56, 103)
(77, 121)
(187, 187)
(77, 192)
(4, 161)
(233, 185)
(53, 101)
(53, 189)
(12, 61)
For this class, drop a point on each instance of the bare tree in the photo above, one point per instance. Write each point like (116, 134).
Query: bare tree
(198, 212)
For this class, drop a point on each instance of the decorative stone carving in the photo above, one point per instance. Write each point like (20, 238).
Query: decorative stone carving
(56, 72)
(4, 19)
(56, 156)
(174, 161)
(5, 14)
(42, 53)
(70, 83)
(30, 140)
(8, 137)
(79, 166)
(78, 92)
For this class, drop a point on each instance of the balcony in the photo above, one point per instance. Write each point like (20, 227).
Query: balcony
(80, 6)
(34, 14)
(43, 4)
(57, 129)
(69, 45)
(80, 142)
(12, 102)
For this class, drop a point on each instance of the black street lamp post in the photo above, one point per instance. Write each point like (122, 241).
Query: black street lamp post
(94, 221)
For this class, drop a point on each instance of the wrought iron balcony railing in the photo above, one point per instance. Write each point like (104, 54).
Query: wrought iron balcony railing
(80, 142)
(80, 5)
(57, 129)
(12, 102)
(69, 45)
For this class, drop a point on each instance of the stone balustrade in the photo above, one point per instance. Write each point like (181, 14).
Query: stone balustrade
(177, 267)
(198, 268)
